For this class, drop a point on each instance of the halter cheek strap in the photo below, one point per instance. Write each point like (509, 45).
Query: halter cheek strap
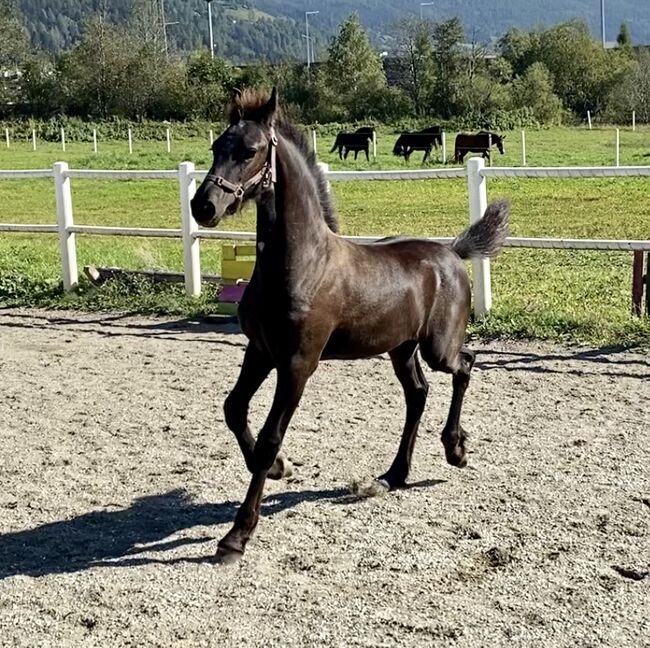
(266, 176)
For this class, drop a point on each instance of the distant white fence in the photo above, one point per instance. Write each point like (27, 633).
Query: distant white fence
(186, 175)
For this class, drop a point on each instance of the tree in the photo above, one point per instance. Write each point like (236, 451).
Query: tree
(353, 71)
(448, 60)
(210, 83)
(416, 56)
(14, 46)
(624, 38)
(534, 90)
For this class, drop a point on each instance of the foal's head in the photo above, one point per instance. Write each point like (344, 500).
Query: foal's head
(243, 161)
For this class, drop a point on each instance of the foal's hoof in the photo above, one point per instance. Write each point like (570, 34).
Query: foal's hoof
(456, 457)
(281, 468)
(227, 555)
(454, 443)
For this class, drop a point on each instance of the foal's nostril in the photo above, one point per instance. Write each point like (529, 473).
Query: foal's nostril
(203, 211)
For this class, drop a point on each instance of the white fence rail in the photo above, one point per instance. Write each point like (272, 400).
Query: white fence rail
(186, 175)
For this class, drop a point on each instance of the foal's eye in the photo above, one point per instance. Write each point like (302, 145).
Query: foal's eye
(249, 153)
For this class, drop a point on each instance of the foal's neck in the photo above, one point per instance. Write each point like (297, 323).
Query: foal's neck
(290, 223)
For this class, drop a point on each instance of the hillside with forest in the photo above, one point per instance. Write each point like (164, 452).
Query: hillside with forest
(273, 29)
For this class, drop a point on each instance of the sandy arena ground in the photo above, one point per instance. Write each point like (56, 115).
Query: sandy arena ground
(119, 476)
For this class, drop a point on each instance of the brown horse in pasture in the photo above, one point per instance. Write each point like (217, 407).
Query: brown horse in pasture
(315, 296)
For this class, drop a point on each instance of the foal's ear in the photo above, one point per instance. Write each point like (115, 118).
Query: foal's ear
(236, 108)
(270, 109)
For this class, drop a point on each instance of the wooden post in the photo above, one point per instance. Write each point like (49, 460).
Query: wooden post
(633, 120)
(489, 150)
(374, 144)
(211, 136)
(589, 118)
(130, 141)
(62, 139)
(314, 141)
(33, 139)
(7, 136)
(523, 148)
(637, 283)
(94, 140)
(67, 245)
(618, 147)
(169, 141)
(477, 186)
(444, 147)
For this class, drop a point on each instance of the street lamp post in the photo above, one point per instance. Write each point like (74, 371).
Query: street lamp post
(307, 14)
(602, 20)
(210, 29)
(424, 4)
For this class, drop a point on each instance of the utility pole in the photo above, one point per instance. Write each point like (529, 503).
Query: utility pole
(165, 24)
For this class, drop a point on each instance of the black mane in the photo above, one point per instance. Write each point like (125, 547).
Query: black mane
(290, 132)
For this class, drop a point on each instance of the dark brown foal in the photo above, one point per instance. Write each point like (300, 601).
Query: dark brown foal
(314, 295)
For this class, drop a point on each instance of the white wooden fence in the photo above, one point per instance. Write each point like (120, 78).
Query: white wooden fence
(186, 175)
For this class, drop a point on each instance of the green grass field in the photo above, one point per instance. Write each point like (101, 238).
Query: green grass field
(569, 295)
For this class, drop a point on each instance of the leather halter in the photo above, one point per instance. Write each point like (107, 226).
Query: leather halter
(266, 176)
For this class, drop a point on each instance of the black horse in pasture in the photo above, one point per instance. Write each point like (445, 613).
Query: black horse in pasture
(424, 140)
(315, 295)
(479, 143)
(357, 141)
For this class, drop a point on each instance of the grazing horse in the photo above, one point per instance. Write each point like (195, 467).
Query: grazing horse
(479, 143)
(357, 142)
(316, 296)
(424, 140)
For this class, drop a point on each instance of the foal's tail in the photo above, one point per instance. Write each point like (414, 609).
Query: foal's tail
(486, 237)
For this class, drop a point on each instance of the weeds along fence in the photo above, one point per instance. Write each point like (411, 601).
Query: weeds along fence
(476, 173)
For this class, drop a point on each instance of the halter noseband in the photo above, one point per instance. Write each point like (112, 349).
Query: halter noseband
(266, 176)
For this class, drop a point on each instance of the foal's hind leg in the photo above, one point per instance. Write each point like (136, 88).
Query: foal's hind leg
(409, 373)
(453, 436)
(254, 371)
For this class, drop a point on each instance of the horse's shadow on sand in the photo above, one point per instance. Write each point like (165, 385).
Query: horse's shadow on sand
(120, 537)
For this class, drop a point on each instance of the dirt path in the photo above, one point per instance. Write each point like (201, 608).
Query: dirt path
(118, 477)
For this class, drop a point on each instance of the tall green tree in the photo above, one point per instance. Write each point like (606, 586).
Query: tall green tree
(448, 62)
(14, 47)
(353, 73)
(415, 52)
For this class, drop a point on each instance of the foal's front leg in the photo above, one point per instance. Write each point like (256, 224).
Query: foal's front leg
(292, 379)
(254, 371)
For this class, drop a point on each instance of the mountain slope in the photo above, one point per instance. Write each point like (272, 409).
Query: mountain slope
(272, 29)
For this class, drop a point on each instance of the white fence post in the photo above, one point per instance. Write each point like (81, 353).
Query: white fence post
(130, 141)
(477, 186)
(191, 250)
(169, 141)
(63, 139)
(589, 118)
(7, 137)
(211, 135)
(618, 147)
(374, 143)
(634, 120)
(33, 139)
(523, 148)
(325, 168)
(314, 141)
(490, 149)
(94, 140)
(444, 147)
(64, 220)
